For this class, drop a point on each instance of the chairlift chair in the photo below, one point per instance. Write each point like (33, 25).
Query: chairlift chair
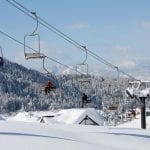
(35, 55)
(144, 90)
(117, 93)
(138, 89)
(113, 107)
(82, 74)
(51, 76)
(132, 87)
(84, 78)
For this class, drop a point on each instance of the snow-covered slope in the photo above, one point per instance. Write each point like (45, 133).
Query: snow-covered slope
(136, 123)
(64, 116)
(24, 132)
(36, 136)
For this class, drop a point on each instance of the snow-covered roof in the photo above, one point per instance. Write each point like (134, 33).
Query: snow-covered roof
(75, 116)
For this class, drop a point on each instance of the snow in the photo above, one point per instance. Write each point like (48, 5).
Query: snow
(2, 118)
(136, 123)
(75, 116)
(25, 117)
(24, 131)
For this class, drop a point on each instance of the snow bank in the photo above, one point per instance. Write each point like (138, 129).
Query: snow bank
(33, 136)
(25, 117)
(136, 123)
(2, 118)
(75, 116)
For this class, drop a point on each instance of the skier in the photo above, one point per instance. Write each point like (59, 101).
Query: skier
(84, 100)
(48, 87)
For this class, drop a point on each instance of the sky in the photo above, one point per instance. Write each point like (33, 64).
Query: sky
(116, 30)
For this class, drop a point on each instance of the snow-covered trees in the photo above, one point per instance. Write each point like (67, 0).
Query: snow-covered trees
(22, 88)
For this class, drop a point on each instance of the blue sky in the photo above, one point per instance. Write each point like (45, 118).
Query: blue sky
(116, 30)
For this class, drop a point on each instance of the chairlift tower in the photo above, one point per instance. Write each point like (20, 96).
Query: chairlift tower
(140, 90)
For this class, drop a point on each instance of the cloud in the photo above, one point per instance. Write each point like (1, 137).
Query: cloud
(20, 56)
(78, 26)
(127, 64)
(146, 24)
(121, 48)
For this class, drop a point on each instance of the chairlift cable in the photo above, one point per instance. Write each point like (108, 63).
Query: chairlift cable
(54, 28)
(67, 38)
(48, 27)
(61, 34)
(64, 36)
(17, 41)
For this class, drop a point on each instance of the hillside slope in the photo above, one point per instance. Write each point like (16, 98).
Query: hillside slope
(22, 89)
(22, 136)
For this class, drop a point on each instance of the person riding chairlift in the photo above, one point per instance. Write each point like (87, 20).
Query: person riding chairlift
(84, 100)
(48, 87)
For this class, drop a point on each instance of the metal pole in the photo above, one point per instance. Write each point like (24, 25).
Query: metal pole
(143, 117)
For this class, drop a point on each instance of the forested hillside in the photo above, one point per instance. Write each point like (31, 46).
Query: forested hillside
(23, 89)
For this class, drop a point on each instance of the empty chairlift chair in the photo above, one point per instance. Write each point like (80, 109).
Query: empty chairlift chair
(27, 50)
(82, 75)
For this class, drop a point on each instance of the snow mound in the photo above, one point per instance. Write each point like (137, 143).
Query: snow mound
(75, 116)
(2, 118)
(25, 117)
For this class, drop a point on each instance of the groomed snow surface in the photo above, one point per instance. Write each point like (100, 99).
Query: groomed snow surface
(25, 132)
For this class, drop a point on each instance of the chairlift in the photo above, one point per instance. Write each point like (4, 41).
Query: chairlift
(118, 76)
(82, 74)
(132, 87)
(117, 93)
(51, 77)
(38, 54)
(138, 89)
(84, 78)
(1, 58)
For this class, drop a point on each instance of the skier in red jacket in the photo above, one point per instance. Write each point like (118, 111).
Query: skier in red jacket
(48, 87)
